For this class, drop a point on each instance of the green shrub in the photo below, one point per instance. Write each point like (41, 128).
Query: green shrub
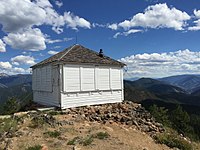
(53, 113)
(74, 141)
(172, 141)
(53, 134)
(83, 141)
(87, 141)
(11, 106)
(181, 120)
(37, 123)
(102, 135)
(8, 125)
(36, 147)
(160, 114)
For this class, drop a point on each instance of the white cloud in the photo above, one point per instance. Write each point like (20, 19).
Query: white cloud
(58, 21)
(73, 21)
(197, 13)
(42, 3)
(22, 59)
(16, 15)
(16, 70)
(20, 20)
(113, 26)
(196, 22)
(117, 34)
(52, 52)
(132, 31)
(156, 16)
(7, 68)
(2, 46)
(67, 39)
(59, 3)
(31, 39)
(99, 25)
(5, 65)
(50, 41)
(162, 64)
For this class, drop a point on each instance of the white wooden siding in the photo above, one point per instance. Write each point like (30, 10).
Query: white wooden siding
(47, 98)
(103, 79)
(71, 78)
(42, 79)
(88, 79)
(115, 78)
(90, 85)
(46, 85)
(77, 85)
(90, 98)
(38, 79)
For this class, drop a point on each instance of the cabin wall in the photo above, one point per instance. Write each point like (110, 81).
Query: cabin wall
(90, 85)
(45, 85)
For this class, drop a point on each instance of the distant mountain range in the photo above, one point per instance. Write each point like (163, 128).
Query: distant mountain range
(161, 90)
(15, 85)
(189, 83)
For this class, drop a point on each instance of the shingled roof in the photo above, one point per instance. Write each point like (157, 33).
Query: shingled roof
(77, 54)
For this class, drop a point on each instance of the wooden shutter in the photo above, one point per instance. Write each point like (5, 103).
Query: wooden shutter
(71, 78)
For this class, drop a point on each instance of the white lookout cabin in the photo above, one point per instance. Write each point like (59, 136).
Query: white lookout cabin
(77, 76)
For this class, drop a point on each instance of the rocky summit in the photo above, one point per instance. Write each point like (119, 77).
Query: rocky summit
(123, 126)
(126, 113)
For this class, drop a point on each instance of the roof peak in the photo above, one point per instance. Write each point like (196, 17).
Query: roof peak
(78, 54)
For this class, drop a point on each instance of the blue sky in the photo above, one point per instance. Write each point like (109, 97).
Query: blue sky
(155, 38)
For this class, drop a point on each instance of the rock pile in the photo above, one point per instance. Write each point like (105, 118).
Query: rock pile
(127, 113)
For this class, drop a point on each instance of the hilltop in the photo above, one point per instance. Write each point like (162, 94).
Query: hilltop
(123, 126)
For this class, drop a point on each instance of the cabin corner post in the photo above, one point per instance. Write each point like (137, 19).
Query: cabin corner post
(122, 84)
(61, 85)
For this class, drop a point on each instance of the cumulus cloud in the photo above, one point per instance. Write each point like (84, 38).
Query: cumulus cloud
(22, 59)
(73, 21)
(2, 46)
(31, 39)
(58, 21)
(156, 16)
(132, 31)
(113, 26)
(5, 65)
(196, 22)
(16, 70)
(7, 68)
(162, 64)
(16, 16)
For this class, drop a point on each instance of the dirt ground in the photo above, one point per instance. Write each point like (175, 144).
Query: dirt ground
(120, 137)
